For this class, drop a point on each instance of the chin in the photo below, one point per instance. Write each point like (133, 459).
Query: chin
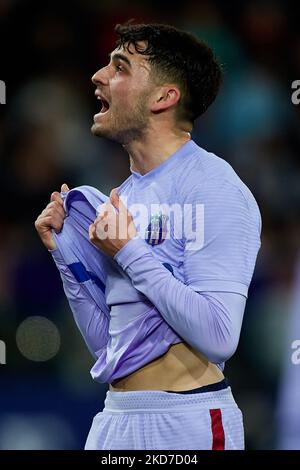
(99, 131)
(96, 130)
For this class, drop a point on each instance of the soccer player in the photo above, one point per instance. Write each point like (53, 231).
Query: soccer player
(157, 274)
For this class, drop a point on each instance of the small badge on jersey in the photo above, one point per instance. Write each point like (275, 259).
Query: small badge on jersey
(156, 231)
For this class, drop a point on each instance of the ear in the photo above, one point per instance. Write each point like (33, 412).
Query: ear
(166, 97)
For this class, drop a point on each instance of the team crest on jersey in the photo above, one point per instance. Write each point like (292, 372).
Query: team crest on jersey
(156, 231)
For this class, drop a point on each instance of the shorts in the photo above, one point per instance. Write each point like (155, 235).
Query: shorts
(154, 419)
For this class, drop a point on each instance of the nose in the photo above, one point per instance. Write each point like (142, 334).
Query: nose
(100, 77)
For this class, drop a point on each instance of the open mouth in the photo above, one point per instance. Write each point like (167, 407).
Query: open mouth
(104, 105)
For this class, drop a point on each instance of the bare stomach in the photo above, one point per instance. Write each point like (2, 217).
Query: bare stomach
(180, 368)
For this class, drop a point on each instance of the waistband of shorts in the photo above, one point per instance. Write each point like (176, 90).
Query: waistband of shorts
(151, 401)
(205, 388)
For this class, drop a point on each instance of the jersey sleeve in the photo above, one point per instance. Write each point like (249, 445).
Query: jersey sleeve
(83, 268)
(209, 322)
(91, 317)
(221, 239)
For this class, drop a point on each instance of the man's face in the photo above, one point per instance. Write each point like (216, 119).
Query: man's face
(123, 90)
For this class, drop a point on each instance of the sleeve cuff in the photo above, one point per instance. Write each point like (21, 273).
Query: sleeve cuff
(132, 251)
(56, 255)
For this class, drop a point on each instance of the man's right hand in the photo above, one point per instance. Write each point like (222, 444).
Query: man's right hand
(52, 217)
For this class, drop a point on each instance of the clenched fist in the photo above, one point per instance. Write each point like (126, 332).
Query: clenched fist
(52, 217)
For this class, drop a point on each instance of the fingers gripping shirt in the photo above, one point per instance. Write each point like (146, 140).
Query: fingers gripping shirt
(160, 288)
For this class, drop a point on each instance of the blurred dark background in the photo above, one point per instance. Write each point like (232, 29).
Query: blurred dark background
(49, 51)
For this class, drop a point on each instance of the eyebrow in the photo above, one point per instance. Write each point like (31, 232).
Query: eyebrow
(119, 56)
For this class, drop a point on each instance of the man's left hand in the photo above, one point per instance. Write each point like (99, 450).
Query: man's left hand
(113, 227)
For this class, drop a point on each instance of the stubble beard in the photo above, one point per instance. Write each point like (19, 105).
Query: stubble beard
(125, 127)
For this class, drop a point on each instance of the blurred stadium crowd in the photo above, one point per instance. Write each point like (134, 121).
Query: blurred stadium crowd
(49, 51)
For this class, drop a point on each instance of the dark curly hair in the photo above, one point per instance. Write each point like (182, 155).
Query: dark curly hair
(179, 57)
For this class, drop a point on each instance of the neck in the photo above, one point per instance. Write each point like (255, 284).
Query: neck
(154, 148)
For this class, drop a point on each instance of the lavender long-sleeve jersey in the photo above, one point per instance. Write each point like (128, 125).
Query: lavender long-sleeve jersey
(184, 278)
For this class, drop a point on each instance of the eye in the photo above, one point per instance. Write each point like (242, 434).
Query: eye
(119, 68)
